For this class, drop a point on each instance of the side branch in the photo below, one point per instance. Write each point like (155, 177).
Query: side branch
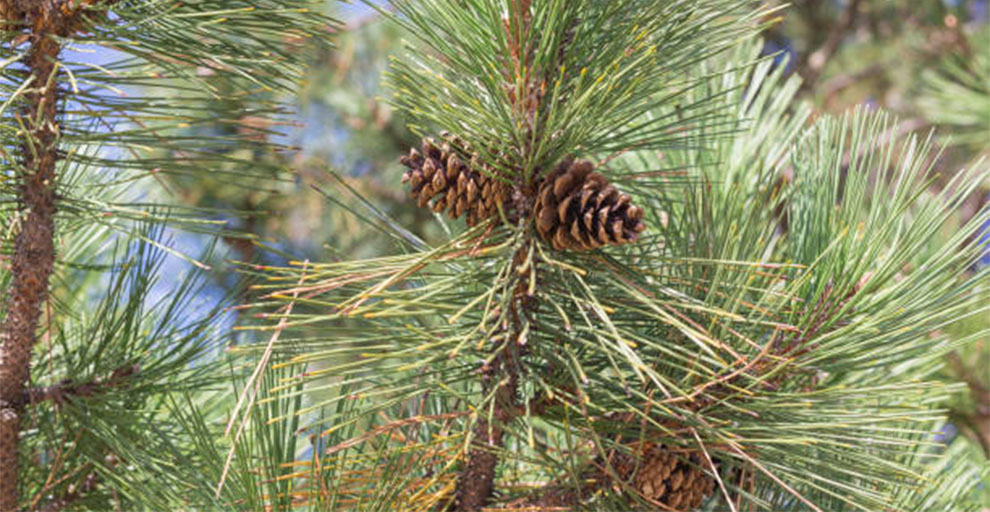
(73, 494)
(60, 392)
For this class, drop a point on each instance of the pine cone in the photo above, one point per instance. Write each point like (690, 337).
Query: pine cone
(11, 16)
(576, 208)
(77, 13)
(676, 480)
(457, 187)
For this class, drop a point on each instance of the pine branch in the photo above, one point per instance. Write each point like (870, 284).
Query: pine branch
(477, 483)
(763, 346)
(88, 484)
(34, 249)
(817, 59)
(500, 378)
(73, 494)
(68, 127)
(63, 391)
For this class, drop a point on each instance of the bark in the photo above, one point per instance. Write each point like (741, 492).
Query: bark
(34, 250)
(477, 482)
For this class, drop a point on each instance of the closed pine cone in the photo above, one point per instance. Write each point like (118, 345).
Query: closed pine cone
(576, 208)
(674, 479)
(438, 175)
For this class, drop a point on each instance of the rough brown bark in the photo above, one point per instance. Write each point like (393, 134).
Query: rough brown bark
(34, 250)
(477, 482)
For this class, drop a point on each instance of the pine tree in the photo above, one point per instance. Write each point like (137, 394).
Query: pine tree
(665, 285)
(767, 342)
(92, 357)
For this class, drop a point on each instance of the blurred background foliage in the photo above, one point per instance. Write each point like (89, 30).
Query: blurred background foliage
(928, 62)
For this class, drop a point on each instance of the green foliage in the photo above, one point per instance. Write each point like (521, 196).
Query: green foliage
(567, 78)
(778, 317)
(132, 351)
(958, 95)
(132, 334)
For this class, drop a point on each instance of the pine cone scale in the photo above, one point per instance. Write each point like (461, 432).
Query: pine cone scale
(674, 479)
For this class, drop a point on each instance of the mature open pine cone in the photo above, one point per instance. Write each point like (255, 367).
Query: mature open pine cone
(439, 175)
(576, 208)
(672, 478)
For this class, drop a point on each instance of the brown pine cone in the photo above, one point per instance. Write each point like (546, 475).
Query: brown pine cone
(64, 18)
(77, 13)
(439, 175)
(576, 208)
(11, 16)
(674, 479)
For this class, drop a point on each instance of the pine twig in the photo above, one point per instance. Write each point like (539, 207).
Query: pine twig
(816, 61)
(500, 378)
(59, 393)
(477, 482)
(75, 493)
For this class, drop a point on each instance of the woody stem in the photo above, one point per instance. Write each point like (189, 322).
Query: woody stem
(33, 253)
(500, 379)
